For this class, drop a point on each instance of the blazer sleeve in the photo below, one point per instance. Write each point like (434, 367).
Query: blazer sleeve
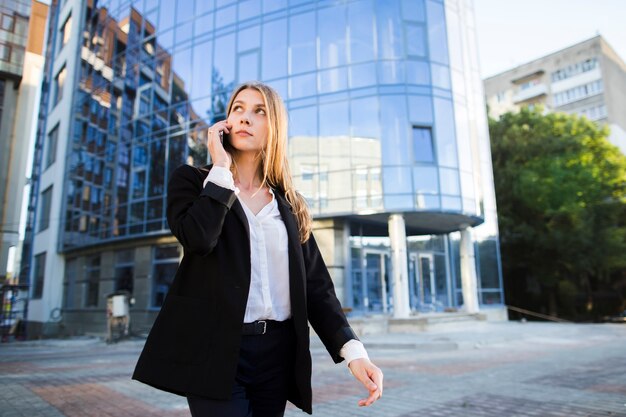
(195, 214)
(323, 308)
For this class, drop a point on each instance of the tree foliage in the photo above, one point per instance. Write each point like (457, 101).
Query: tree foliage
(561, 194)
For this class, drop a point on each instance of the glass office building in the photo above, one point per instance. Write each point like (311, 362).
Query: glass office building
(387, 118)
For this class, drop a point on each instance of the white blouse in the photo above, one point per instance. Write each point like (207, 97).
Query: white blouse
(269, 299)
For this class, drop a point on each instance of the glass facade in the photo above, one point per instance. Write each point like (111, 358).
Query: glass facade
(382, 120)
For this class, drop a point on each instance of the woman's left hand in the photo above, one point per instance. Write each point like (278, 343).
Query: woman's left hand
(370, 376)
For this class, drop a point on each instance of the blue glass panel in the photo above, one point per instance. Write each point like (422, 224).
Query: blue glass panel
(389, 29)
(184, 32)
(184, 10)
(273, 5)
(249, 38)
(413, 10)
(302, 86)
(181, 63)
(303, 122)
(224, 62)
(363, 75)
(395, 132)
(201, 74)
(361, 31)
(451, 203)
(203, 24)
(364, 117)
(274, 54)
(332, 80)
(449, 181)
(444, 133)
(302, 47)
(204, 6)
(226, 16)
(427, 202)
(425, 180)
(249, 9)
(248, 66)
(331, 29)
(417, 72)
(437, 41)
(334, 119)
(391, 72)
(166, 18)
(421, 110)
(441, 76)
(415, 38)
(397, 188)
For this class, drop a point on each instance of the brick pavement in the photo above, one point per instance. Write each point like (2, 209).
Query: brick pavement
(467, 370)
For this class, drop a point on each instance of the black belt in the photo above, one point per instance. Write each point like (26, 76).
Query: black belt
(262, 326)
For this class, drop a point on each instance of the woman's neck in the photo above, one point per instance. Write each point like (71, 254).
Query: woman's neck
(247, 172)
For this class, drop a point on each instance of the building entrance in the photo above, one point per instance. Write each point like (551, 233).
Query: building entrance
(422, 284)
(370, 284)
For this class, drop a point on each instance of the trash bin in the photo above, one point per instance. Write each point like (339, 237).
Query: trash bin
(118, 315)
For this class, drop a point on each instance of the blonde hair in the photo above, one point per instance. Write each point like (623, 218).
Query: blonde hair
(274, 165)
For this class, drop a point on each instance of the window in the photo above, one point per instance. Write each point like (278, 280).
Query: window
(164, 265)
(53, 138)
(574, 69)
(8, 22)
(92, 277)
(578, 93)
(59, 81)
(44, 213)
(423, 145)
(528, 84)
(38, 275)
(66, 29)
(124, 270)
(5, 52)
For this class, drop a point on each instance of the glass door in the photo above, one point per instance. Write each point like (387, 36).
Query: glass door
(370, 282)
(423, 291)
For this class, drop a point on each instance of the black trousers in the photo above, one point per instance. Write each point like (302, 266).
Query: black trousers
(264, 375)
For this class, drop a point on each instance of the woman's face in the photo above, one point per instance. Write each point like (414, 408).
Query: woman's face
(248, 117)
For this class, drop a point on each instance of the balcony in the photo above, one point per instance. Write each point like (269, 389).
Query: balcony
(531, 92)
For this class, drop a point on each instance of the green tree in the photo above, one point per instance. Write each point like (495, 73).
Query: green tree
(561, 194)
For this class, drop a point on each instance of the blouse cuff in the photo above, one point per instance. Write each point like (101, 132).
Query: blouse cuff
(221, 176)
(353, 349)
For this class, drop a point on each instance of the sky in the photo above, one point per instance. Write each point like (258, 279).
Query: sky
(513, 32)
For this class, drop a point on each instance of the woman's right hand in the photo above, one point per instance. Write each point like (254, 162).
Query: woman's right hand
(219, 156)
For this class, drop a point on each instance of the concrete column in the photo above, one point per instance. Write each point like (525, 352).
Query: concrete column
(332, 237)
(397, 235)
(468, 271)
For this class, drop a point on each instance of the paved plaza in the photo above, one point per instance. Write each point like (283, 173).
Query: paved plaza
(464, 369)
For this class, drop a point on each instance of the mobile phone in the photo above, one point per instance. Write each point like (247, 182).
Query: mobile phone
(225, 139)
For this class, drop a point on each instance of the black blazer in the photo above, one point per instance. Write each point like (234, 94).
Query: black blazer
(193, 347)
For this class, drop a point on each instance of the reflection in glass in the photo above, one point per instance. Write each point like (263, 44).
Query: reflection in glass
(332, 36)
(361, 31)
(302, 50)
(274, 54)
(444, 133)
(415, 37)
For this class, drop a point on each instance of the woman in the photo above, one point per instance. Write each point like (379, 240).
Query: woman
(232, 335)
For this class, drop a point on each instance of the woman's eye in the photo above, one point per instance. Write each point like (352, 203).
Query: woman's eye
(260, 111)
(237, 108)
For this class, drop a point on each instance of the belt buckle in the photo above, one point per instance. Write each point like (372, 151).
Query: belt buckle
(264, 323)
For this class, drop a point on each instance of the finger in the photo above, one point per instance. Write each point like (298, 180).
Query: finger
(377, 377)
